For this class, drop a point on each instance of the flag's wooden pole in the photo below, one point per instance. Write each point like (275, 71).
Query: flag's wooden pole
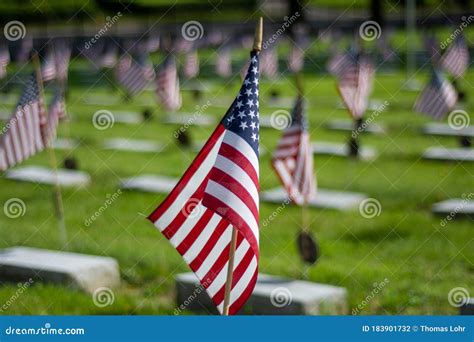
(58, 200)
(257, 47)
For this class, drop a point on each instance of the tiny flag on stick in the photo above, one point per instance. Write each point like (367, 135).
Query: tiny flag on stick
(456, 58)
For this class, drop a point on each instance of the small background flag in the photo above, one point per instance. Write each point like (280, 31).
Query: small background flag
(223, 63)
(25, 132)
(437, 98)
(293, 158)
(269, 63)
(62, 54)
(296, 59)
(4, 60)
(56, 111)
(191, 64)
(220, 190)
(168, 85)
(355, 84)
(48, 68)
(456, 58)
(134, 74)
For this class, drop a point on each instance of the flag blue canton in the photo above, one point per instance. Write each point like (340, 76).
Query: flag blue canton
(242, 117)
(298, 119)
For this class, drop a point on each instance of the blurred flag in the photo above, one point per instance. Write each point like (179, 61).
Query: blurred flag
(220, 191)
(48, 67)
(4, 60)
(355, 84)
(24, 51)
(168, 85)
(269, 63)
(338, 63)
(134, 74)
(437, 98)
(24, 134)
(223, 63)
(108, 58)
(293, 157)
(62, 54)
(296, 59)
(191, 64)
(456, 58)
(56, 111)
(153, 43)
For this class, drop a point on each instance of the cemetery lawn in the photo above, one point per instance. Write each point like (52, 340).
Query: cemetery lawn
(406, 245)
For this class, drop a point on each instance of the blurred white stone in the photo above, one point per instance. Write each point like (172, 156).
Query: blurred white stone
(149, 183)
(133, 145)
(454, 207)
(272, 296)
(435, 128)
(348, 126)
(190, 119)
(449, 154)
(43, 175)
(327, 199)
(85, 272)
(342, 150)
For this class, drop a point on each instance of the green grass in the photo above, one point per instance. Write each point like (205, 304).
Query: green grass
(406, 244)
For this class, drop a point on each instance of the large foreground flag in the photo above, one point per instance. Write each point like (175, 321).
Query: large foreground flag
(167, 86)
(437, 98)
(217, 192)
(293, 158)
(456, 58)
(24, 134)
(355, 84)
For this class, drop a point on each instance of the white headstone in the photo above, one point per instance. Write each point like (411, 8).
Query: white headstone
(104, 100)
(348, 126)
(328, 199)
(65, 144)
(449, 154)
(271, 296)
(149, 183)
(85, 272)
(133, 145)
(342, 150)
(196, 119)
(435, 128)
(43, 175)
(127, 117)
(454, 207)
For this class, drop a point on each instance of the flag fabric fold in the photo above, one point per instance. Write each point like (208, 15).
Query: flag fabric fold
(293, 158)
(437, 98)
(219, 191)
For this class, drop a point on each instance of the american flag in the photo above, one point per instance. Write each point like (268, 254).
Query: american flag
(269, 63)
(4, 60)
(355, 84)
(220, 191)
(168, 85)
(24, 134)
(134, 74)
(431, 46)
(56, 111)
(437, 98)
(296, 59)
(293, 158)
(339, 63)
(108, 59)
(23, 53)
(191, 64)
(48, 68)
(153, 43)
(456, 58)
(223, 63)
(62, 54)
